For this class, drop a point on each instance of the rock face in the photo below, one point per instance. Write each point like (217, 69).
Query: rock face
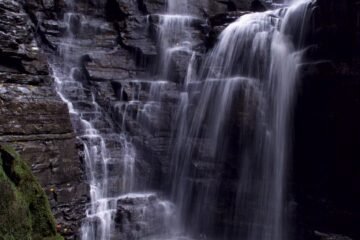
(24, 207)
(326, 125)
(326, 236)
(114, 44)
(35, 121)
(143, 215)
(116, 47)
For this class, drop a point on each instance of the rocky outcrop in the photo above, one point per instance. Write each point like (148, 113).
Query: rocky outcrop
(143, 215)
(119, 46)
(35, 121)
(326, 134)
(326, 125)
(115, 48)
(327, 236)
(24, 207)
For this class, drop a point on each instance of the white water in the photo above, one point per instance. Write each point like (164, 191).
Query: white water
(256, 58)
(111, 172)
(177, 6)
(99, 160)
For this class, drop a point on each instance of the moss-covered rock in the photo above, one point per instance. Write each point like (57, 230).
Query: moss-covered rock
(24, 208)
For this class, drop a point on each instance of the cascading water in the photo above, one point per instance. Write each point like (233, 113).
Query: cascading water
(177, 7)
(110, 158)
(251, 72)
(256, 57)
(264, 174)
(96, 133)
(174, 36)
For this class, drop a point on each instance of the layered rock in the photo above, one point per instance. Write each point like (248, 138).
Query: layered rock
(143, 216)
(328, 236)
(116, 50)
(124, 49)
(326, 125)
(24, 207)
(35, 121)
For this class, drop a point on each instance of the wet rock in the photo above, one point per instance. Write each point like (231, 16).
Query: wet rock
(116, 42)
(219, 22)
(25, 211)
(317, 70)
(117, 65)
(326, 101)
(33, 118)
(327, 236)
(180, 61)
(143, 215)
(258, 6)
(154, 6)
(226, 18)
(137, 36)
(206, 8)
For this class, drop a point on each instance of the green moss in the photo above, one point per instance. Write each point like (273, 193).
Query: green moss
(24, 208)
(57, 237)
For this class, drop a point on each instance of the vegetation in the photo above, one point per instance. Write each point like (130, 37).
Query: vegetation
(24, 208)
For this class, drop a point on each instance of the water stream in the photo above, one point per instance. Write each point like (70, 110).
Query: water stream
(256, 60)
(251, 74)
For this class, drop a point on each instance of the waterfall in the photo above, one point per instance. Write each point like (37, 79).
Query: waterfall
(264, 174)
(110, 158)
(174, 36)
(254, 64)
(234, 111)
(96, 133)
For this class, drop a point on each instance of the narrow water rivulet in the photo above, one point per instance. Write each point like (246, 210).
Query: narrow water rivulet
(106, 153)
(234, 111)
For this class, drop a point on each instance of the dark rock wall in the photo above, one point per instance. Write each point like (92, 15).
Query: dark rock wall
(24, 208)
(327, 132)
(35, 121)
(116, 46)
(119, 46)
